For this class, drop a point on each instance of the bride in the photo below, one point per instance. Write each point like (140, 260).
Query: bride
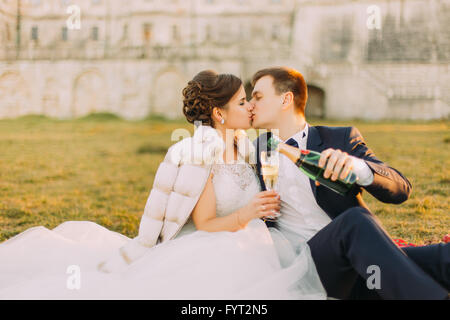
(201, 235)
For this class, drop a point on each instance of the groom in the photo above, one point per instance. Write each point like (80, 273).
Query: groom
(349, 246)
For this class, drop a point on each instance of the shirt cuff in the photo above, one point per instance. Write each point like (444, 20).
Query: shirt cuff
(363, 172)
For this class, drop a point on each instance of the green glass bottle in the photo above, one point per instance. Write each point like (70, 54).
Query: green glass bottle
(308, 162)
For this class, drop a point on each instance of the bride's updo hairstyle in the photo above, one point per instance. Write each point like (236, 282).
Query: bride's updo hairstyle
(207, 90)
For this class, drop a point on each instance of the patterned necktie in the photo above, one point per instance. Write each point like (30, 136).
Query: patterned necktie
(292, 142)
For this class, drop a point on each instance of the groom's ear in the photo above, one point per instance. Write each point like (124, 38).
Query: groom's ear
(288, 99)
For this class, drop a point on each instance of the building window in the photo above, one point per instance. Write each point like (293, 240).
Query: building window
(34, 33)
(275, 32)
(95, 33)
(125, 31)
(175, 33)
(208, 32)
(8, 32)
(147, 32)
(64, 34)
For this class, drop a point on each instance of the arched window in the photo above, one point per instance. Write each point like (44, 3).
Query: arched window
(315, 106)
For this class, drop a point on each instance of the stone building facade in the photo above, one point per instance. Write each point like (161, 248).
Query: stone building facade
(376, 59)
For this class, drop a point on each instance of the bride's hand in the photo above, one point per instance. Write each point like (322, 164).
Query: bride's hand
(263, 204)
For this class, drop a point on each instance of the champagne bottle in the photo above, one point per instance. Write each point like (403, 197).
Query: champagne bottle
(308, 162)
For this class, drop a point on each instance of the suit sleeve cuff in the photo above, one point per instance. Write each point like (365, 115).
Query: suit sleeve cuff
(363, 172)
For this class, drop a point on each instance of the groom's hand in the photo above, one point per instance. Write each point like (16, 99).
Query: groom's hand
(339, 162)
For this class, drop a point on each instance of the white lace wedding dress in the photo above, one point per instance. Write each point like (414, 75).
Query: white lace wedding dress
(253, 263)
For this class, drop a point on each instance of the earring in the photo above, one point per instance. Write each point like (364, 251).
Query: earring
(222, 121)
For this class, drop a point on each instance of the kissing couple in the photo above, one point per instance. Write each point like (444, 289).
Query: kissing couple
(203, 234)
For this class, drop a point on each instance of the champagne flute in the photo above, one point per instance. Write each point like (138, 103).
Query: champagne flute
(269, 171)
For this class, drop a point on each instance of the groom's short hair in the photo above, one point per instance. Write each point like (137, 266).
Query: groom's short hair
(287, 80)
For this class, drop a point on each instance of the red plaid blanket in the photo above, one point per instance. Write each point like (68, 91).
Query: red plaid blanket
(402, 243)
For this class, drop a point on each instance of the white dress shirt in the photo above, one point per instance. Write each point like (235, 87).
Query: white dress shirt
(301, 217)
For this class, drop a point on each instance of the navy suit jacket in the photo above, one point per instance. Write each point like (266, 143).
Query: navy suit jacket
(388, 186)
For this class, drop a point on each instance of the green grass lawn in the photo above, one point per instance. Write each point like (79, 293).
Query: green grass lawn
(101, 169)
